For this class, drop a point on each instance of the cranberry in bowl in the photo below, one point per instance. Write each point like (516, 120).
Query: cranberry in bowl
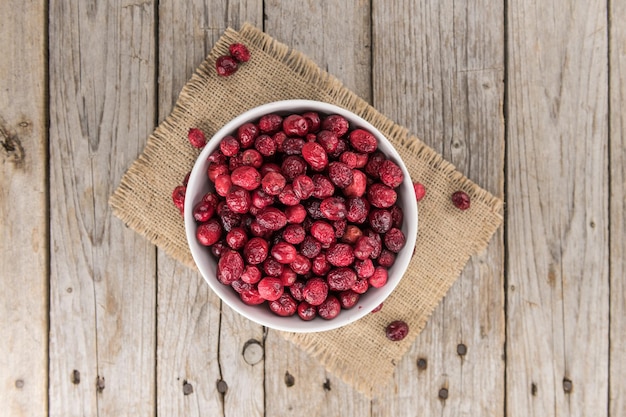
(312, 219)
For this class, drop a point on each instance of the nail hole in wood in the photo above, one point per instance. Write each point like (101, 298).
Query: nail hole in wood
(222, 386)
(422, 364)
(443, 393)
(533, 389)
(326, 385)
(461, 349)
(100, 383)
(75, 377)
(289, 379)
(187, 388)
(567, 385)
(19, 384)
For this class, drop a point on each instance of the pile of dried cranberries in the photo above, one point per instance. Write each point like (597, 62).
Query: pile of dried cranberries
(304, 213)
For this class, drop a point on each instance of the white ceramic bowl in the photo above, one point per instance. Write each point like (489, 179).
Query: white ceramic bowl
(199, 185)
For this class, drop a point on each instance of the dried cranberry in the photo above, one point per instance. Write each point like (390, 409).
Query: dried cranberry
(328, 140)
(361, 160)
(348, 158)
(420, 191)
(340, 254)
(251, 297)
(285, 306)
(216, 169)
(270, 123)
(238, 200)
(358, 185)
(390, 174)
(269, 167)
(266, 145)
(293, 166)
(376, 242)
(295, 214)
(270, 288)
(323, 232)
(320, 265)
(337, 124)
(330, 308)
(178, 197)
(272, 267)
(310, 247)
(381, 196)
(340, 227)
(379, 278)
(386, 258)
(261, 199)
(296, 290)
(363, 248)
(315, 155)
(360, 286)
(377, 308)
(203, 211)
(313, 120)
(348, 299)
(217, 157)
(341, 279)
(295, 125)
(292, 146)
(461, 200)
(358, 209)
(363, 141)
(284, 252)
(272, 218)
(380, 220)
(323, 186)
(230, 266)
(229, 146)
(251, 274)
(340, 174)
(313, 208)
(303, 186)
(240, 286)
(396, 216)
(288, 197)
(223, 184)
(397, 330)
(301, 265)
(247, 134)
(226, 65)
(208, 233)
(315, 291)
(236, 238)
(252, 157)
(273, 183)
(352, 234)
(239, 52)
(218, 248)
(246, 177)
(306, 311)
(256, 250)
(333, 208)
(342, 146)
(288, 276)
(364, 268)
(395, 240)
(373, 164)
(196, 138)
(235, 162)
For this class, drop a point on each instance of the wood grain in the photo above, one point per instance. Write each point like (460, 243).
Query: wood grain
(324, 31)
(558, 287)
(102, 278)
(438, 69)
(198, 342)
(617, 219)
(23, 210)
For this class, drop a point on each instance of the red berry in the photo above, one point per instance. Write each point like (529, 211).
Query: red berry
(215, 169)
(397, 330)
(246, 177)
(358, 186)
(270, 288)
(323, 232)
(273, 183)
(226, 65)
(178, 196)
(328, 140)
(386, 258)
(333, 208)
(348, 299)
(320, 265)
(391, 174)
(303, 186)
(301, 265)
(360, 286)
(340, 174)
(380, 220)
(330, 308)
(379, 278)
(284, 252)
(238, 200)
(323, 187)
(315, 156)
(340, 254)
(196, 138)
(352, 234)
(461, 200)
(315, 291)
(223, 184)
(306, 311)
(420, 191)
(287, 276)
(209, 232)
(377, 308)
(294, 234)
(395, 240)
(266, 145)
(295, 214)
(251, 297)
(341, 279)
(363, 141)
(247, 134)
(358, 209)
(251, 274)
(239, 52)
(272, 267)
(295, 125)
(288, 197)
(252, 157)
(364, 268)
(381, 196)
(272, 218)
(293, 166)
(285, 306)
(292, 146)
(337, 124)
(296, 290)
(230, 266)
(203, 211)
(270, 123)
(236, 238)
(229, 146)
(256, 250)
(374, 162)
(310, 247)
(313, 120)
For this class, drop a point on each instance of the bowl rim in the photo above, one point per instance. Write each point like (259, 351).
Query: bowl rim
(198, 176)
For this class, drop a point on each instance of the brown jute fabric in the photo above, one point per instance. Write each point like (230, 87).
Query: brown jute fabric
(359, 353)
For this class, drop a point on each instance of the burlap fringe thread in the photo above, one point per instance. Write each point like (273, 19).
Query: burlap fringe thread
(310, 73)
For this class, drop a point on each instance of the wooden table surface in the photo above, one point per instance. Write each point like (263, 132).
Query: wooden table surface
(526, 98)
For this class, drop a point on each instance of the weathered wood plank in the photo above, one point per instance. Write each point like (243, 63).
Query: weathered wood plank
(438, 69)
(617, 219)
(195, 348)
(23, 209)
(558, 284)
(336, 35)
(102, 283)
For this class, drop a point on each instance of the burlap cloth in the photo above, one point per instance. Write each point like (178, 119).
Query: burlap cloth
(359, 353)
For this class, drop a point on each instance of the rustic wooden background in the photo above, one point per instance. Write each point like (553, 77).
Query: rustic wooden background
(525, 97)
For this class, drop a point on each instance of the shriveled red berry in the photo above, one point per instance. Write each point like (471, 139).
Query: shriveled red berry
(340, 174)
(235, 162)
(323, 186)
(386, 258)
(223, 184)
(251, 274)
(397, 330)
(348, 299)
(228, 217)
(284, 252)
(380, 220)
(364, 268)
(363, 141)
(303, 186)
(310, 247)
(379, 278)
(341, 279)
(270, 123)
(203, 211)
(360, 286)
(340, 227)
(217, 157)
(273, 183)
(301, 265)
(295, 214)
(239, 51)
(237, 238)
(293, 166)
(381, 196)
(372, 167)
(315, 291)
(461, 200)
(229, 146)
(323, 232)
(196, 138)
(272, 267)
(342, 146)
(396, 216)
(363, 248)
(337, 124)
(251, 157)
(320, 265)
(292, 146)
(333, 208)
(261, 199)
(285, 306)
(178, 197)
(256, 250)
(340, 254)
(313, 120)
(246, 177)
(328, 140)
(395, 240)
(270, 288)
(420, 191)
(315, 155)
(295, 125)
(209, 232)
(376, 242)
(294, 234)
(272, 218)
(238, 200)
(391, 174)
(230, 266)
(247, 134)
(218, 248)
(251, 297)
(240, 286)
(288, 197)
(266, 145)
(296, 290)
(358, 186)
(330, 308)
(226, 65)
(349, 158)
(358, 209)
(377, 308)
(361, 160)
(306, 311)
(216, 169)
(288, 276)
(352, 234)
